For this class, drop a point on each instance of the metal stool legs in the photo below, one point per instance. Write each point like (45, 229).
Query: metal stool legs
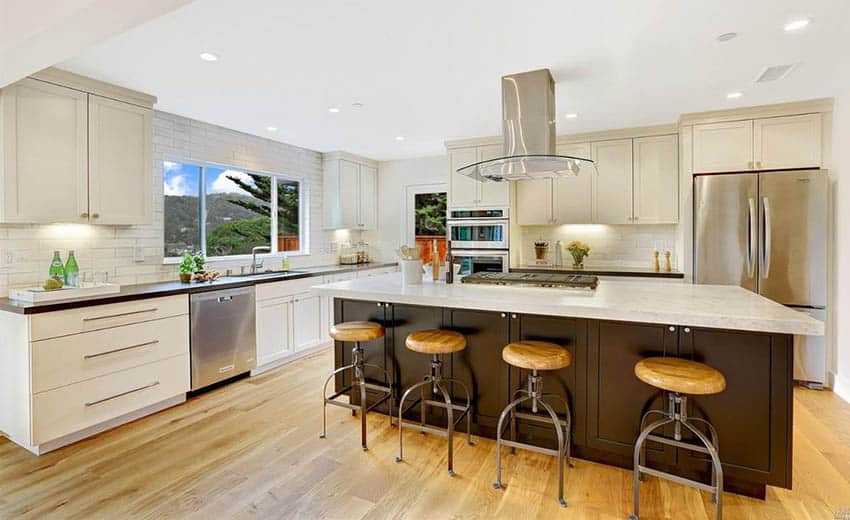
(438, 386)
(358, 366)
(676, 415)
(562, 429)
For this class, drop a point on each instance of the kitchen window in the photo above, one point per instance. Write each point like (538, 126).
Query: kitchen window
(223, 211)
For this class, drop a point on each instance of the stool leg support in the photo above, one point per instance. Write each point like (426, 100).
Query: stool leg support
(325, 399)
(508, 410)
(717, 473)
(561, 449)
(419, 385)
(451, 424)
(638, 446)
(468, 408)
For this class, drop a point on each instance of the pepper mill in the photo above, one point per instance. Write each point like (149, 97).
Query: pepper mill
(668, 266)
(435, 261)
(656, 265)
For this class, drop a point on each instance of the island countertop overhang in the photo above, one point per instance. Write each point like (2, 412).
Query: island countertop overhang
(710, 306)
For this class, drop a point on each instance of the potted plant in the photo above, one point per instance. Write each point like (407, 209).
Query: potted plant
(579, 250)
(540, 249)
(200, 262)
(187, 267)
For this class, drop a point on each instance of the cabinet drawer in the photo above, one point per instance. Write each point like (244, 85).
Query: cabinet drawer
(70, 359)
(86, 319)
(267, 291)
(73, 408)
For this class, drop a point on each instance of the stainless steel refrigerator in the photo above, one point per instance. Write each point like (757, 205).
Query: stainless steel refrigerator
(767, 232)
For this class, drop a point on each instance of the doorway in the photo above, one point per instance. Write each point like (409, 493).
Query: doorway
(425, 219)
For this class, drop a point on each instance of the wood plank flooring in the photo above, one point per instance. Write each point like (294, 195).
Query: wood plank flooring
(251, 450)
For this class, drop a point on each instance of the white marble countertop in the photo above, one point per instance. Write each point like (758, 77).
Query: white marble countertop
(714, 306)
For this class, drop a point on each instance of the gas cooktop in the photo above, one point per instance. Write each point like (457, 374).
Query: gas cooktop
(561, 281)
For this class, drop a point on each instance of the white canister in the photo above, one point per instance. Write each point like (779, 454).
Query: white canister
(411, 272)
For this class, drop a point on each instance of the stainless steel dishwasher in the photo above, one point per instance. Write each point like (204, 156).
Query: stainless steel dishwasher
(223, 335)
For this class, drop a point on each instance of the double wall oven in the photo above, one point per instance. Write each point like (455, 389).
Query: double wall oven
(480, 239)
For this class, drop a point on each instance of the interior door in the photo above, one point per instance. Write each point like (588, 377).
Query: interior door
(725, 230)
(45, 156)
(573, 195)
(793, 235)
(613, 187)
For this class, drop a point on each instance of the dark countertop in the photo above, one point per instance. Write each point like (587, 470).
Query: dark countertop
(600, 271)
(154, 290)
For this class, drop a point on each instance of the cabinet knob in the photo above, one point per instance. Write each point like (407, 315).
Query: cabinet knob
(503, 315)
(84, 215)
(687, 330)
(380, 304)
(750, 165)
(758, 164)
(672, 328)
(95, 215)
(513, 316)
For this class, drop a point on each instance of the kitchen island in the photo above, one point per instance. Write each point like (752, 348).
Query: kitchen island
(607, 331)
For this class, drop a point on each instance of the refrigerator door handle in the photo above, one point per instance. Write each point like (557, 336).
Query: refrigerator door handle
(751, 238)
(767, 239)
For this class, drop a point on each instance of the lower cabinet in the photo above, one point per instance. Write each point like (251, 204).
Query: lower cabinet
(306, 321)
(273, 324)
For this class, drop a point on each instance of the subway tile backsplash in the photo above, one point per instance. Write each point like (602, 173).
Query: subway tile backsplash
(134, 254)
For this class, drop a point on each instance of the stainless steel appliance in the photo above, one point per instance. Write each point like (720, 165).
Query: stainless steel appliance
(480, 261)
(223, 335)
(557, 280)
(479, 228)
(767, 232)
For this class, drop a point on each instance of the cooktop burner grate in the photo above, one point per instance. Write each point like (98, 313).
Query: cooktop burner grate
(565, 281)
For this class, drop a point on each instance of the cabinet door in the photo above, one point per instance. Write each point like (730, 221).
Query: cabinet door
(306, 321)
(493, 193)
(368, 208)
(723, 147)
(656, 179)
(273, 334)
(348, 197)
(613, 187)
(463, 191)
(573, 195)
(534, 199)
(120, 164)
(45, 164)
(787, 142)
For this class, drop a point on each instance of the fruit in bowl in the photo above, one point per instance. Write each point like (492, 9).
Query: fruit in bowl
(52, 284)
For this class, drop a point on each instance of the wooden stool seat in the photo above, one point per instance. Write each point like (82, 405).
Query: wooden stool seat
(680, 375)
(357, 331)
(536, 355)
(435, 341)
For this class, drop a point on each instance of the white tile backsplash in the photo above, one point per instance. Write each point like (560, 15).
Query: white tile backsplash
(26, 250)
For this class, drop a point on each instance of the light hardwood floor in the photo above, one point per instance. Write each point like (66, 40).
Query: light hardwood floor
(251, 450)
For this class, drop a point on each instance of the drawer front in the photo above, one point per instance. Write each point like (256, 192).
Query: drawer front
(70, 359)
(73, 408)
(267, 291)
(97, 317)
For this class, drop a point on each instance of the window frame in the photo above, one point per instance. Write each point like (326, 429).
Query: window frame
(303, 213)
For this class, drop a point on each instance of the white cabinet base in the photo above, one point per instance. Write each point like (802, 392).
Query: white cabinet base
(292, 356)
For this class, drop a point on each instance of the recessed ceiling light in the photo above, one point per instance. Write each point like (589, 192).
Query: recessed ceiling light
(357, 104)
(734, 95)
(271, 128)
(399, 138)
(571, 115)
(725, 37)
(333, 110)
(208, 56)
(796, 25)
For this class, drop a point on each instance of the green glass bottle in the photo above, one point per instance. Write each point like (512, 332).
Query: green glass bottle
(57, 270)
(72, 271)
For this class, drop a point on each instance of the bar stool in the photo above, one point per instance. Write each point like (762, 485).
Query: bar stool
(536, 356)
(357, 331)
(435, 342)
(679, 378)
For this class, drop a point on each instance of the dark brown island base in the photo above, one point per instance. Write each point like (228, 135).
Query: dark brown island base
(753, 416)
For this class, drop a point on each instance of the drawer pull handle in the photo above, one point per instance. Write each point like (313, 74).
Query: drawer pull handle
(115, 351)
(121, 315)
(122, 394)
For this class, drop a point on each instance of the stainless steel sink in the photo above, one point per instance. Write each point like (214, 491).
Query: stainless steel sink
(267, 272)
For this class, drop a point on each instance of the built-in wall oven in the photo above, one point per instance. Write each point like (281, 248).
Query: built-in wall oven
(480, 240)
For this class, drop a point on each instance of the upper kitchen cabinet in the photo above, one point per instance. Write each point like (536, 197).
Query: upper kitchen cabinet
(468, 193)
(564, 199)
(350, 192)
(656, 179)
(773, 143)
(76, 150)
(613, 183)
(45, 153)
(120, 163)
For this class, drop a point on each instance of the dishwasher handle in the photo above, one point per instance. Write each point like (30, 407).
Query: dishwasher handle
(224, 299)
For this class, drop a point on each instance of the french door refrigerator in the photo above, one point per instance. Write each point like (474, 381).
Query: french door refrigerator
(767, 232)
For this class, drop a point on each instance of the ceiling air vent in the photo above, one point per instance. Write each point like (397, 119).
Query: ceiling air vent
(775, 72)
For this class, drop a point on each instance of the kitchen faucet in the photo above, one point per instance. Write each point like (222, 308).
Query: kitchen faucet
(254, 251)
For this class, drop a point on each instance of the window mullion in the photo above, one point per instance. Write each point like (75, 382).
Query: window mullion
(273, 206)
(202, 224)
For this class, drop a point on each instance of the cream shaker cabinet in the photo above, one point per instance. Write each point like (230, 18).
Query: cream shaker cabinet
(468, 193)
(74, 156)
(350, 192)
(723, 147)
(573, 196)
(535, 202)
(656, 179)
(45, 153)
(613, 182)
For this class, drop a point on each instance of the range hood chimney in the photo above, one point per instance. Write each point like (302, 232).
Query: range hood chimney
(528, 130)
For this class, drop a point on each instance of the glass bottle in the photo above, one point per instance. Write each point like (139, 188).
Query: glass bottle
(57, 270)
(72, 271)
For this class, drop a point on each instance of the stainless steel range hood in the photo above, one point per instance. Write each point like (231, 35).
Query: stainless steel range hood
(528, 129)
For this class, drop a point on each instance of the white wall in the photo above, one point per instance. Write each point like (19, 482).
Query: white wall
(26, 250)
(840, 363)
(393, 179)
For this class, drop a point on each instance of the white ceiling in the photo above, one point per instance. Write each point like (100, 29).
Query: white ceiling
(429, 70)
